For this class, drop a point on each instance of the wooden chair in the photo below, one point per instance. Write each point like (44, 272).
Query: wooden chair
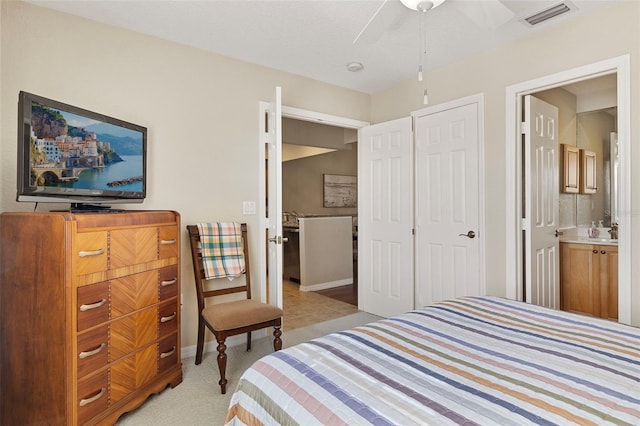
(226, 319)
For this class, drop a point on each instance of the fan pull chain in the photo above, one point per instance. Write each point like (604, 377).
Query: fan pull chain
(422, 68)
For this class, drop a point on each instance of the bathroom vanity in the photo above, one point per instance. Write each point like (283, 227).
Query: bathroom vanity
(589, 276)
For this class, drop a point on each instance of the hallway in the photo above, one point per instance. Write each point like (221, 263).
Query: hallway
(305, 308)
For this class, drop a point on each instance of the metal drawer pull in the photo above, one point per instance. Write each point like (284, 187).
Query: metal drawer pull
(168, 282)
(88, 401)
(90, 306)
(168, 354)
(85, 253)
(169, 318)
(167, 242)
(87, 354)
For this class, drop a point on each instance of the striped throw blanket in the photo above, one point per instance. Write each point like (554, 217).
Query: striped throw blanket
(471, 361)
(221, 249)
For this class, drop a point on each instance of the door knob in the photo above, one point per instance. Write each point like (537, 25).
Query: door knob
(558, 233)
(278, 240)
(469, 234)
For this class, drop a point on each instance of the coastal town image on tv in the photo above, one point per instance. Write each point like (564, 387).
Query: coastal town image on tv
(74, 151)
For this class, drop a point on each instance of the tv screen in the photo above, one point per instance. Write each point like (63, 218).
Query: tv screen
(72, 155)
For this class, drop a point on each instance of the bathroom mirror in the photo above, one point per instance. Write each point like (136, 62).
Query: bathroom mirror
(596, 131)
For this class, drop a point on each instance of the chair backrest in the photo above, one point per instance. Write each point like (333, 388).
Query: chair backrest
(198, 268)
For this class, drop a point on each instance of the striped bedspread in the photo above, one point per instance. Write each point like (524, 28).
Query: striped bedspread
(472, 361)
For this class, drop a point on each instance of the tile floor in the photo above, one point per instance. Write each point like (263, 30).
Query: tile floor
(303, 308)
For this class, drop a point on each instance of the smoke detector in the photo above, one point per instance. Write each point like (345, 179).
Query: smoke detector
(355, 66)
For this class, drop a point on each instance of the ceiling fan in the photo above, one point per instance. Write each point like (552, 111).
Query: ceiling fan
(484, 13)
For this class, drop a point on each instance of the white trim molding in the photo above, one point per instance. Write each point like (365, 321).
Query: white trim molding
(621, 66)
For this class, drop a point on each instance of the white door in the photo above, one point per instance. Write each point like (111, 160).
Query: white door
(274, 197)
(542, 248)
(385, 218)
(447, 204)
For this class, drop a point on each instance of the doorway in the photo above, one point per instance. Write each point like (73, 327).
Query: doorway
(516, 224)
(301, 130)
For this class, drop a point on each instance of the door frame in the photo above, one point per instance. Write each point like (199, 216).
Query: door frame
(297, 114)
(621, 66)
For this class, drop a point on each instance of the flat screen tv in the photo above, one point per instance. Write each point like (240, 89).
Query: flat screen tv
(67, 154)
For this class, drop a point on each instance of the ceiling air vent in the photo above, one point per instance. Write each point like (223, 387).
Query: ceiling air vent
(547, 14)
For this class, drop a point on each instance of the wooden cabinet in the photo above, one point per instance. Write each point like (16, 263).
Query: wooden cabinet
(589, 279)
(570, 169)
(588, 169)
(89, 314)
(579, 170)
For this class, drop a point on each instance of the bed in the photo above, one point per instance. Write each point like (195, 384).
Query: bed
(480, 360)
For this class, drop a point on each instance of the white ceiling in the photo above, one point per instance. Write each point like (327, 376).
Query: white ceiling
(314, 38)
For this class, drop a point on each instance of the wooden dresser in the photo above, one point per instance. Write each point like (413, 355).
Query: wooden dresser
(89, 314)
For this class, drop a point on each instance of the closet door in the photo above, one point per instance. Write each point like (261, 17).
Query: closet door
(385, 218)
(448, 238)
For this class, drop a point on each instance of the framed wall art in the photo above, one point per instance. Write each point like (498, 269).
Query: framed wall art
(340, 191)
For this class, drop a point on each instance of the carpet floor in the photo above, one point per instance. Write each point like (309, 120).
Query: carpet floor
(198, 401)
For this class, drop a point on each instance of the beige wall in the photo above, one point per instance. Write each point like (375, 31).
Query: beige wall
(202, 112)
(610, 33)
(302, 181)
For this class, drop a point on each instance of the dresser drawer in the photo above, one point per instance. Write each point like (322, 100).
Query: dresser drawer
(93, 396)
(132, 332)
(168, 242)
(93, 350)
(167, 318)
(133, 292)
(167, 352)
(90, 252)
(168, 282)
(93, 305)
(133, 372)
(132, 246)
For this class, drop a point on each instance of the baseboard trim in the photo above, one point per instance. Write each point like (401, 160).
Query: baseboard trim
(324, 286)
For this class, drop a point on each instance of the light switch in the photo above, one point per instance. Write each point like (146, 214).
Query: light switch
(248, 207)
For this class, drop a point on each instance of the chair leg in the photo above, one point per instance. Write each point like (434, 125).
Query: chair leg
(200, 346)
(248, 341)
(277, 342)
(222, 365)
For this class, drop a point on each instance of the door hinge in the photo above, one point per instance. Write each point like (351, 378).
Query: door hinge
(524, 127)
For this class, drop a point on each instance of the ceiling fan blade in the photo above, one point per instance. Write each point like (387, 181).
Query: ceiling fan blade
(388, 15)
(486, 13)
